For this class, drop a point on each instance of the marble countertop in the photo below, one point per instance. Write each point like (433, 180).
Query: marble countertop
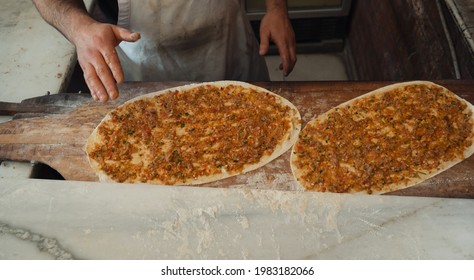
(35, 58)
(41, 219)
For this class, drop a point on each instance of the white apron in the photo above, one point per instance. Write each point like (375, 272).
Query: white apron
(189, 40)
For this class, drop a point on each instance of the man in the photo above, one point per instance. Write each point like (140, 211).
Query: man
(187, 40)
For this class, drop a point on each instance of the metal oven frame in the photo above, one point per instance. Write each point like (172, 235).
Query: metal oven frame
(340, 11)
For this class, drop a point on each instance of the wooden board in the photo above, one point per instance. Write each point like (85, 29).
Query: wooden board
(58, 140)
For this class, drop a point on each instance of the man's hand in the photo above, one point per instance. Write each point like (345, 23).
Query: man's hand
(276, 27)
(99, 61)
(95, 44)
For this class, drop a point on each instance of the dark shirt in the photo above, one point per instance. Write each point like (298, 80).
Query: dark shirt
(110, 9)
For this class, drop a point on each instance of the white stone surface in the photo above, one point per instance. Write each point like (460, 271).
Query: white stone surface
(35, 58)
(11, 169)
(310, 67)
(54, 219)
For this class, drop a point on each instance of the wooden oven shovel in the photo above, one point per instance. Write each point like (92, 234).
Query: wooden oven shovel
(43, 105)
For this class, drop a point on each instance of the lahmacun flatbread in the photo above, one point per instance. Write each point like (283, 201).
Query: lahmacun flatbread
(193, 134)
(388, 139)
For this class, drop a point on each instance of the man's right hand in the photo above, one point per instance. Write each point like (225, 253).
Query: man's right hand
(95, 45)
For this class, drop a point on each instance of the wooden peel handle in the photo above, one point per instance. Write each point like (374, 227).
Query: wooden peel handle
(11, 109)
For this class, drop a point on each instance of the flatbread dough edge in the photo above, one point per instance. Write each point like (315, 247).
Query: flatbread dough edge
(281, 148)
(414, 181)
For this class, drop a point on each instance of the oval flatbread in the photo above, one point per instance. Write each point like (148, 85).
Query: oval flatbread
(193, 134)
(388, 139)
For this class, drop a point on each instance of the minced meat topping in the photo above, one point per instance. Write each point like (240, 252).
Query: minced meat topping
(184, 135)
(383, 139)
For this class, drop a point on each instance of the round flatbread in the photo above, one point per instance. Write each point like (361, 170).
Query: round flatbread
(388, 139)
(193, 134)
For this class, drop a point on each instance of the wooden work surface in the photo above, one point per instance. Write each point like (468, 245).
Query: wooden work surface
(58, 139)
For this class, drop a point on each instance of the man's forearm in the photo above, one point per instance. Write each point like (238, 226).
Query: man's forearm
(67, 16)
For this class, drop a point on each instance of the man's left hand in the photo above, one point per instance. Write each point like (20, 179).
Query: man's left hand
(276, 27)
